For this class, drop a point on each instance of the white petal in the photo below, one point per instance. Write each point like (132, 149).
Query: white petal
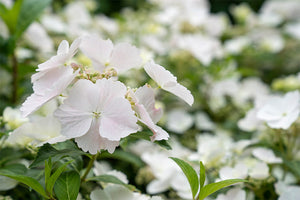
(100, 194)
(168, 82)
(124, 57)
(53, 62)
(145, 96)
(181, 92)
(75, 123)
(158, 132)
(118, 120)
(63, 47)
(92, 142)
(159, 74)
(74, 47)
(158, 186)
(98, 50)
(48, 87)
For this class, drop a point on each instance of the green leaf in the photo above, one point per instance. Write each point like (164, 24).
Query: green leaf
(294, 166)
(213, 187)
(10, 16)
(54, 177)
(124, 156)
(47, 151)
(202, 175)
(67, 186)
(190, 174)
(30, 11)
(48, 168)
(111, 179)
(29, 181)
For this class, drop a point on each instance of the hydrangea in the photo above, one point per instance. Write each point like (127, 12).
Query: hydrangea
(281, 112)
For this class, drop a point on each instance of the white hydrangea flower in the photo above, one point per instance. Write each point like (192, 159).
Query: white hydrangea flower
(266, 155)
(233, 194)
(259, 171)
(97, 115)
(13, 118)
(104, 54)
(117, 192)
(168, 82)
(104, 168)
(37, 131)
(53, 77)
(144, 106)
(281, 112)
(240, 170)
(179, 121)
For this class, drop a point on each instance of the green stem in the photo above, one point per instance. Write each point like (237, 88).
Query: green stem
(89, 167)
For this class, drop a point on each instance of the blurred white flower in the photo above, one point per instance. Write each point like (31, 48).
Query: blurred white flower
(179, 120)
(259, 170)
(100, 168)
(37, 37)
(204, 48)
(281, 112)
(293, 29)
(290, 193)
(53, 23)
(117, 192)
(168, 82)
(233, 194)
(37, 131)
(240, 170)
(266, 155)
(236, 45)
(97, 115)
(203, 122)
(13, 118)
(212, 150)
(104, 54)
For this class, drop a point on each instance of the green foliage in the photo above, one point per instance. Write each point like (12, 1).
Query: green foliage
(202, 175)
(67, 186)
(17, 172)
(51, 179)
(22, 14)
(195, 184)
(213, 187)
(47, 151)
(190, 174)
(111, 179)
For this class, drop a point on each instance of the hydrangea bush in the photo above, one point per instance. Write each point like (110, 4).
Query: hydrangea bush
(101, 118)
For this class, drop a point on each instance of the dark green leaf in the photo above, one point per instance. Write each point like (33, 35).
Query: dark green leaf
(29, 181)
(47, 151)
(30, 11)
(54, 177)
(124, 156)
(294, 166)
(111, 179)
(213, 187)
(67, 186)
(190, 174)
(202, 175)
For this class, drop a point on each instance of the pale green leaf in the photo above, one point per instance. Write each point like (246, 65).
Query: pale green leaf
(202, 175)
(190, 174)
(213, 187)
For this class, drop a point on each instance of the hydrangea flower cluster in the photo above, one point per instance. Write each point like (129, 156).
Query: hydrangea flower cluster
(98, 110)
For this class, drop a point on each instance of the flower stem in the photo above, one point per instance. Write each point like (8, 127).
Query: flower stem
(89, 167)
